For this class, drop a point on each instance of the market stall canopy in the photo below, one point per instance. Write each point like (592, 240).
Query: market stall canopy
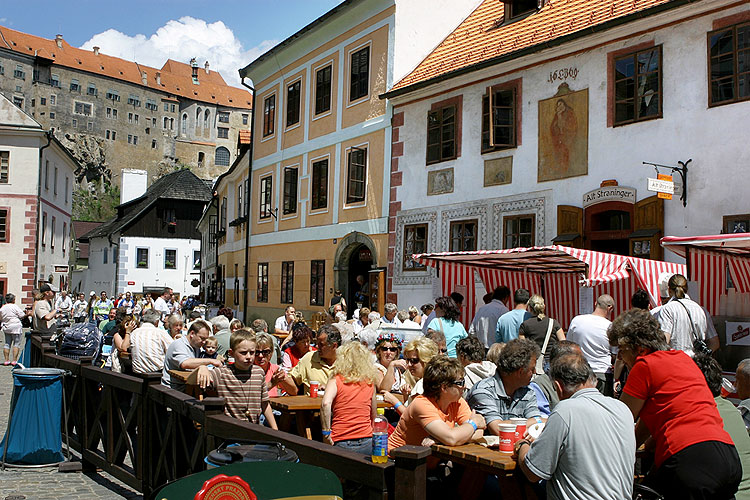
(555, 271)
(733, 244)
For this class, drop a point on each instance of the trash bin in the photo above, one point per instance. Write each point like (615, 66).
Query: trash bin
(249, 451)
(34, 434)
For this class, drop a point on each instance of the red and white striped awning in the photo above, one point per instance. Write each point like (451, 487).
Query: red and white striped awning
(555, 271)
(710, 259)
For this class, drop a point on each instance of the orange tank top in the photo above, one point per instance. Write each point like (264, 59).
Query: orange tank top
(352, 410)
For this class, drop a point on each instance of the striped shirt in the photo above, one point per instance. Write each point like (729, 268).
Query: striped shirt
(243, 392)
(148, 346)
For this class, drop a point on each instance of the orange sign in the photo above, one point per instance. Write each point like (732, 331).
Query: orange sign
(663, 177)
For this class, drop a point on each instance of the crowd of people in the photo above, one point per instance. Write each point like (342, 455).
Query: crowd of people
(601, 388)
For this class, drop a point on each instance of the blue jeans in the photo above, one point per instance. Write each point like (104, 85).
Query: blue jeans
(362, 446)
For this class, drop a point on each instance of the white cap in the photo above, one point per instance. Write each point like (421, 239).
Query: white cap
(92, 293)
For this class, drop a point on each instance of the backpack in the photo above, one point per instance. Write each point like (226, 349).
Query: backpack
(80, 339)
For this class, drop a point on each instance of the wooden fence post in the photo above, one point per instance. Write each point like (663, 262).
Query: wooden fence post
(411, 472)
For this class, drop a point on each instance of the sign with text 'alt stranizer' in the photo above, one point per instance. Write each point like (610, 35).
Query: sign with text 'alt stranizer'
(663, 185)
(609, 193)
(738, 333)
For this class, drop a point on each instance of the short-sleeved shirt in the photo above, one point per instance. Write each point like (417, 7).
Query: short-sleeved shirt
(679, 409)
(10, 318)
(509, 324)
(735, 427)
(352, 410)
(162, 306)
(421, 412)
(272, 369)
(244, 392)
(179, 351)
(587, 449)
(41, 309)
(453, 331)
(536, 329)
(680, 322)
(102, 307)
(148, 347)
(484, 324)
(488, 398)
(311, 367)
(590, 332)
(222, 339)
(281, 324)
(79, 308)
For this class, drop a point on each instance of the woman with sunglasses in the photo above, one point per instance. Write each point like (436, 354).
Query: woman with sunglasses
(387, 349)
(417, 354)
(440, 414)
(277, 381)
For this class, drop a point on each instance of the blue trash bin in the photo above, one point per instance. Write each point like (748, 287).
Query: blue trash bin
(34, 433)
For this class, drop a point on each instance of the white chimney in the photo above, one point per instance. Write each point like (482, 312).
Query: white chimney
(96, 51)
(58, 41)
(134, 184)
(144, 78)
(158, 77)
(206, 66)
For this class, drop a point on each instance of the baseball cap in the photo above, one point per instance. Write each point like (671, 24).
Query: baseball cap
(92, 293)
(45, 288)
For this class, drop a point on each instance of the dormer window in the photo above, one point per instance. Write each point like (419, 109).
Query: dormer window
(519, 8)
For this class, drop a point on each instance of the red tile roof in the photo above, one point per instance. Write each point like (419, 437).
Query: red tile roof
(245, 137)
(176, 77)
(482, 36)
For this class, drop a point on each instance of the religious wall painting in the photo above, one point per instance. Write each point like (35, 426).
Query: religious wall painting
(563, 134)
(440, 181)
(498, 171)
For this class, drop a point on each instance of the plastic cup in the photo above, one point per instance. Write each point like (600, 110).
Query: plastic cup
(314, 384)
(727, 389)
(507, 437)
(520, 424)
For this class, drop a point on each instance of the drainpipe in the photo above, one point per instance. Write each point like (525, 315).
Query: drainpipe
(247, 197)
(48, 135)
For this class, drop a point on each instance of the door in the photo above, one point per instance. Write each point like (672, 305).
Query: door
(569, 226)
(648, 228)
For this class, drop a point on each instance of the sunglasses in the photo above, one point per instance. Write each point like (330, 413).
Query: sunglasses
(412, 361)
(390, 349)
(443, 351)
(459, 383)
(264, 352)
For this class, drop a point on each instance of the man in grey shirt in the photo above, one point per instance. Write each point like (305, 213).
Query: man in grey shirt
(587, 448)
(184, 354)
(507, 394)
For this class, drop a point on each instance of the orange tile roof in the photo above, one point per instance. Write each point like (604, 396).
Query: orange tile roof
(245, 137)
(176, 77)
(482, 37)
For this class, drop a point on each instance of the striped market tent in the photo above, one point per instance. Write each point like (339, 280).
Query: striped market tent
(712, 261)
(556, 272)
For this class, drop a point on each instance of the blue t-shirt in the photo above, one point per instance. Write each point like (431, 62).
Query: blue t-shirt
(509, 324)
(453, 331)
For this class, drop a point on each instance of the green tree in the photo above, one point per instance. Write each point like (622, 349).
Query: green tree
(97, 202)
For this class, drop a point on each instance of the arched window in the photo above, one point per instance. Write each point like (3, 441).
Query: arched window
(222, 157)
(198, 118)
(201, 158)
(171, 124)
(184, 123)
(206, 119)
(166, 120)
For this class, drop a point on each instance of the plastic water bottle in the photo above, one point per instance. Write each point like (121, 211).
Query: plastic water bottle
(380, 438)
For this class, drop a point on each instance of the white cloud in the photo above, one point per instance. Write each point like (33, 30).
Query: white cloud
(182, 40)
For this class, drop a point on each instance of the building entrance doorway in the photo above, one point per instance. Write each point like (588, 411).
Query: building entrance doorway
(360, 264)
(355, 257)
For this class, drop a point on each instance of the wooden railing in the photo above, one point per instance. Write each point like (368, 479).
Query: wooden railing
(147, 435)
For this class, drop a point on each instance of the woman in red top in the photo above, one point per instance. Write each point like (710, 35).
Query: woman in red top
(694, 456)
(277, 380)
(302, 336)
(349, 405)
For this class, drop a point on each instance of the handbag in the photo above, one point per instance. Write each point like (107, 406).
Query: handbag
(540, 360)
(699, 345)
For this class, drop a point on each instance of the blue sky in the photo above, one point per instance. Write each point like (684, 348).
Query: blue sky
(227, 33)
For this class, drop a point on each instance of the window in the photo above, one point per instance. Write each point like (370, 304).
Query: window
(148, 130)
(135, 140)
(111, 134)
(114, 254)
(222, 157)
(141, 258)
(320, 184)
(67, 188)
(91, 90)
(415, 241)
(166, 106)
(54, 80)
(18, 101)
(357, 175)
(441, 134)
(263, 282)
(196, 259)
(206, 119)
(130, 139)
(317, 282)
(293, 97)
(170, 258)
(136, 119)
(106, 134)
(236, 284)
(266, 185)
(323, 90)
(46, 174)
(184, 123)
(105, 256)
(4, 167)
(151, 104)
(44, 229)
(287, 282)
(52, 233)
(19, 72)
(2, 69)
(109, 113)
(517, 8)
(54, 186)
(153, 143)
(113, 95)
(736, 224)
(290, 190)
(53, 100)
(245, 187)
(33, 103)
(64, 239)
(638, 86)
(52, 115)
(134, 100)
(82, 108)
(198, 115)
(729, 54)
(223, 214)
(240, 213)
(74, 123)
(463, 236)
(114, 114)
(502, 133)
(42, 101)
(518, 231)
(90, 126)
(3, 225)
(222, 116)
(244, 118)
(222, 133)
(75, 85)
(360, 74)
(130, 117)
(269, 115)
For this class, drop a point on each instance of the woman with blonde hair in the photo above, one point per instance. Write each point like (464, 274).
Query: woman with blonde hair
(417, 354)
(175, 325)
(349, 405)
(539, 327)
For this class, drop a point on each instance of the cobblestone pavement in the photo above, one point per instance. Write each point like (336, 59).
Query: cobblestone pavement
(48, 483)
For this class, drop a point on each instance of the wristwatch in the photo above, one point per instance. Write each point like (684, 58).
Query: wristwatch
(519, 443)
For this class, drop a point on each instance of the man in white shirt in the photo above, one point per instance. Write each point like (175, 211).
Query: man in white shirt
(590, 332)
(64, 303)
(485, 320)
(284, 323)
(161, 304)
(148, 344)
(390, 312)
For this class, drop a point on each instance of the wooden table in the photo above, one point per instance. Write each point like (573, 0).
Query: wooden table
(305, 409)
(480, 461)
(190, 379)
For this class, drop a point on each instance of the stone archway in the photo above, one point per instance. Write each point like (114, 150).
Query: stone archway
(345, 252)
